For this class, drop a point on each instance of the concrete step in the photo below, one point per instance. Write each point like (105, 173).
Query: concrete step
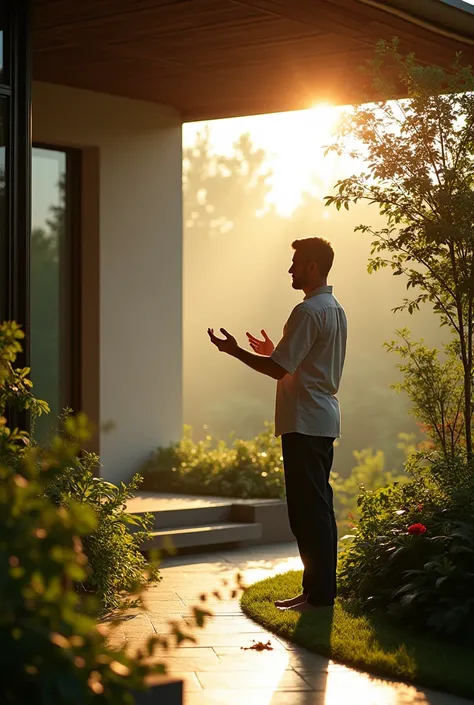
(204, 535)
(194, 516)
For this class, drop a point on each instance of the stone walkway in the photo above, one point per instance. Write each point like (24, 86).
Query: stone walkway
(218, 671)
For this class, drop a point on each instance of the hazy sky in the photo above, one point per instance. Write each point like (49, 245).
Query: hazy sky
(294, 141)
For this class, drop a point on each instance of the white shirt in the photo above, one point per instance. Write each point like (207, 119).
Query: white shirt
(312, 351)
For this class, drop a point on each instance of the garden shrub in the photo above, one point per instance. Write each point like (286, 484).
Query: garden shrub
(245, 469)
(53, 652)
(118, 568)
(412, 552)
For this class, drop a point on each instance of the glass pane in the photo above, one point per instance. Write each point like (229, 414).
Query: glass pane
(49, 269)
(3, 210)
(1, 46)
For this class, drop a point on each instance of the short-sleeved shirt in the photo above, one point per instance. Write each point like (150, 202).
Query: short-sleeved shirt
(312, 351)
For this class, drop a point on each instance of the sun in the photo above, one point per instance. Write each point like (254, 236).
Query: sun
(300, 156)
(324, 117)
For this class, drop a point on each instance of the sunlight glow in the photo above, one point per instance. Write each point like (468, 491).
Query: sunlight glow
(294, 143)
(346, 685)
(325, 116)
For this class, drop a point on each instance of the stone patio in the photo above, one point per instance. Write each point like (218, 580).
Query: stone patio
(218, 671)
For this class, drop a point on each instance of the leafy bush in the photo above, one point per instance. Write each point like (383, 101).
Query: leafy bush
(53, 652)
(435, 389)
(412, 552)
(369, 473)
(118, 568)
(246, 469)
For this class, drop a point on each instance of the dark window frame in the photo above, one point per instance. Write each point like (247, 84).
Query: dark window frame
(5, 20)
(15, 245)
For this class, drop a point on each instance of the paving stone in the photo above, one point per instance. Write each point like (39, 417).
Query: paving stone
(301, 661)
(164, 606)
(235, 642)
(260, 696)
(160, 593)
(276, 661)
(192, 660)
(278, 680)
(234, 621)
(231, 675)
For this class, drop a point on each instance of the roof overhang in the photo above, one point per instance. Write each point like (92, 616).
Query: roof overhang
(223, 58)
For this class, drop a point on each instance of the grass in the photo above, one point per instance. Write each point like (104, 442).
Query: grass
(370, 643)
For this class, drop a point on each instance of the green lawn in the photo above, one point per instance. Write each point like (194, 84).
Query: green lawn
(366, 642)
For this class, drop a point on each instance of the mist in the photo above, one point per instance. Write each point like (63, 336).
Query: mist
(237, 252)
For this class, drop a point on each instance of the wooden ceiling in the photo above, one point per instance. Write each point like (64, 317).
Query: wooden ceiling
(222, 58)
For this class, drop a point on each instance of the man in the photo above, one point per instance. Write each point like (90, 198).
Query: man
(308, 363)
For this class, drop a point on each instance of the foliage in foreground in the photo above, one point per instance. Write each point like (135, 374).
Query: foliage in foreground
(368, 642)
(117, 567)
(53, 651)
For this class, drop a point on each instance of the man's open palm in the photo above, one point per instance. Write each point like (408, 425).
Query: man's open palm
(261, 347)
(228, 344)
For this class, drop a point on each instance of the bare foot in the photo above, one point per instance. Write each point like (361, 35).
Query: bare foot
(291, 602)
(305, 607)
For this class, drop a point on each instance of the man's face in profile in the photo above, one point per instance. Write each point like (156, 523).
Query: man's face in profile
(302, 271)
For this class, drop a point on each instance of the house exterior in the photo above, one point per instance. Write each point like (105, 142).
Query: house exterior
(93, 95)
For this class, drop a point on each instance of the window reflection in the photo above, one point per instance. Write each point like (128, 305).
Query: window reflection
(3, 214)
(49, 319)
(1, 50)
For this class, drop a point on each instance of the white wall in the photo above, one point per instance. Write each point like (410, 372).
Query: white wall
(140, 262)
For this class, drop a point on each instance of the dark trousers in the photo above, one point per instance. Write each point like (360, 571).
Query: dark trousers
(307, 462)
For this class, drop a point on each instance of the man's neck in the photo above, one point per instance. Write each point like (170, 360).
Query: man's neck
(308, 289)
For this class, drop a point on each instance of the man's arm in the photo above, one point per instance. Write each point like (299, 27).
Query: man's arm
(260, 363)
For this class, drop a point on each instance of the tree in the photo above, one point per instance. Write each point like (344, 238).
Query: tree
(419, 172)
(220, 191)
(435, 389)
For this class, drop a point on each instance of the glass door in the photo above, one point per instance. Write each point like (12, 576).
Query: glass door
(54, 283)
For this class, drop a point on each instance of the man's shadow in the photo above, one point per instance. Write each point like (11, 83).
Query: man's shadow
(311, 648)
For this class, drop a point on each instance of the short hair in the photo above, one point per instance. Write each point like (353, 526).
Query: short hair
(318, 250)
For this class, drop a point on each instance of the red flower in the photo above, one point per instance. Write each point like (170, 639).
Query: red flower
(417, 529)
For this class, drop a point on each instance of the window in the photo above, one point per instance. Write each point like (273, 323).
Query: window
(2, 26)
(54, 314)
(3, 199)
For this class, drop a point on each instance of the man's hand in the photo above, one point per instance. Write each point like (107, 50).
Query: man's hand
(261, 347)
(228, 344)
